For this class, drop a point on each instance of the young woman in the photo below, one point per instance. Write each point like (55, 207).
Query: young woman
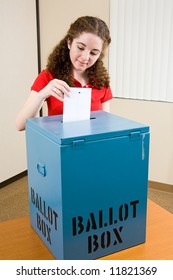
(75, 62)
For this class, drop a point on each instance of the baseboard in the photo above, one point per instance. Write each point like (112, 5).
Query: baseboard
(13, 179)
(160, 186)
(151, 184)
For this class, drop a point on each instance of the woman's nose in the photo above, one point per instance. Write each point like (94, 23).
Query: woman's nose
(85, 55)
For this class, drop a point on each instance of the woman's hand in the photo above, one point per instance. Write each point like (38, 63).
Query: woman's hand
(56, 88)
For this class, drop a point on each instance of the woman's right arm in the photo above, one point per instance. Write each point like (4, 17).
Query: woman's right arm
(56, 88)
(30, 109)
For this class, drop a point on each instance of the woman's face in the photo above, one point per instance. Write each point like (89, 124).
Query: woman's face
(84, 51)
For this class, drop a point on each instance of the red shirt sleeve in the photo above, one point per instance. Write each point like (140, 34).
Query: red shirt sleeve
(42, 80)
(107, 95)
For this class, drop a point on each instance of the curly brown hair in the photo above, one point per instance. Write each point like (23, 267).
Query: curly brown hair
(59, 63)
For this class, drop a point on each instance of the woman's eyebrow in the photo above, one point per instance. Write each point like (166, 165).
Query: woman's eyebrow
(81, 43)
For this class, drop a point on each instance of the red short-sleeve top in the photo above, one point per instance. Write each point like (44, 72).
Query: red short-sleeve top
(55, 106)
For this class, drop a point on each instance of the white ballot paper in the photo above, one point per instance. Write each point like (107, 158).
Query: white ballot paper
(77, 106)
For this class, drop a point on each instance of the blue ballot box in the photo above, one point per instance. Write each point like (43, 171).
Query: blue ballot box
(88, 184)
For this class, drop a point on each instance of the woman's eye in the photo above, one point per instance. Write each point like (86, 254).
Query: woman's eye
(81, 48)
(92, 53)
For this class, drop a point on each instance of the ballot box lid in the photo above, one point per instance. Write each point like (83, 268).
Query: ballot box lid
(101, 125)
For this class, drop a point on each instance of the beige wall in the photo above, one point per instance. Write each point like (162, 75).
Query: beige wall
(159, 116)
(18, 49)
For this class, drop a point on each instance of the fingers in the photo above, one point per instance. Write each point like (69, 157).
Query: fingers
(63, 86)
(57, 93)
(59, 88)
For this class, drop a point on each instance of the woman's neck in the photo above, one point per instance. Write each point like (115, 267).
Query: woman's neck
(81, 77)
